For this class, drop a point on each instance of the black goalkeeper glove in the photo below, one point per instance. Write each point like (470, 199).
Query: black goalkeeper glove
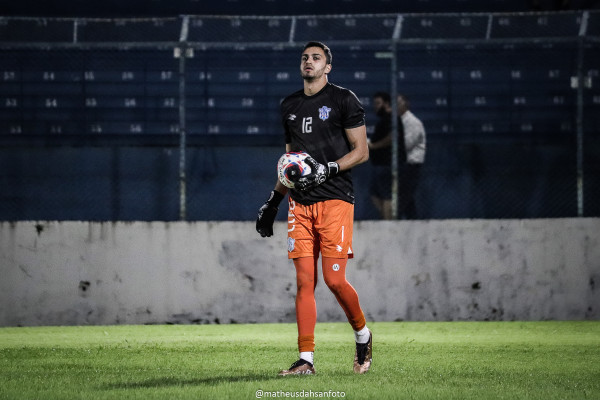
(319, 174)
(267, 214)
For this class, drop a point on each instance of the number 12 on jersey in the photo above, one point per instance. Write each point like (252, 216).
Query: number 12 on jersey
(307, 125)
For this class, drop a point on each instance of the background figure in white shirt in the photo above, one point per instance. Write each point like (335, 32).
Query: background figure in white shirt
(411, 155)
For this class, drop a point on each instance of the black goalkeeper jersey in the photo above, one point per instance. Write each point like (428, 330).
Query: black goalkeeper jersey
(316, 124)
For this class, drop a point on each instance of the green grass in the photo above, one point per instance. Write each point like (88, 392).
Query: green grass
(412, 360)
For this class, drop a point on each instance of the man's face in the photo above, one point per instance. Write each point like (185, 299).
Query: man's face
(402, 106)
(378, 104)
(314, 64)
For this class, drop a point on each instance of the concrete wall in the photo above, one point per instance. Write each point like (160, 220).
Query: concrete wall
(64, 273)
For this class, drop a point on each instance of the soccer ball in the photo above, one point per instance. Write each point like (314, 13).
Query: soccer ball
(291, 167)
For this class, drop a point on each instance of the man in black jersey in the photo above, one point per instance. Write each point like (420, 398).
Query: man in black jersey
(380, 150)
(327, 122)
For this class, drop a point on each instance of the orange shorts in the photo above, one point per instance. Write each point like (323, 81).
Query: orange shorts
(325, 226)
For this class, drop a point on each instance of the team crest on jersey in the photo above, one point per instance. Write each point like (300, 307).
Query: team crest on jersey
(324, 112)
(291, 244)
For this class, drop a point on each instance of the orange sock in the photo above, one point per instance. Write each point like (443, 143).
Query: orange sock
(306, 307)
(334, 272)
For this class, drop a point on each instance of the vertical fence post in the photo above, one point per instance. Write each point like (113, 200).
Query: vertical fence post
(184, 52)
(395, 136)
(394, 103)
(579, 115)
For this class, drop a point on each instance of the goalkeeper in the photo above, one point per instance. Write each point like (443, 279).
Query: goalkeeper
(327, 122)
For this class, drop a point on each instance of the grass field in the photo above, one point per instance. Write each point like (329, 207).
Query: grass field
(412, 360)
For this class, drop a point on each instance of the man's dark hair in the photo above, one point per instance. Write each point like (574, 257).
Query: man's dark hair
(406, 100)
(385, 96)
(327, 50)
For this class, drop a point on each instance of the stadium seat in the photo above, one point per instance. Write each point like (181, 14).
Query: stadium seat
(347, 27)
(445, 27)
(36, 30)
(129, 30)
(535, 26)
(219, 29)
(234, 89)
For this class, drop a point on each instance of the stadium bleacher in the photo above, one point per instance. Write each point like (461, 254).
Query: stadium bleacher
(104, 78)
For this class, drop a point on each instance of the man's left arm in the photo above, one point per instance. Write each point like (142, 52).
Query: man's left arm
(359, 152)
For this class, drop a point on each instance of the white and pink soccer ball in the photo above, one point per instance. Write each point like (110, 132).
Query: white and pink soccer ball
(291, 167)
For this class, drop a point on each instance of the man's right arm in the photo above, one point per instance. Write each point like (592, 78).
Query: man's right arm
(268, 211)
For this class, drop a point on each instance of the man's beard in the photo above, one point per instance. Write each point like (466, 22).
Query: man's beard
(381, 112)
(309, 78)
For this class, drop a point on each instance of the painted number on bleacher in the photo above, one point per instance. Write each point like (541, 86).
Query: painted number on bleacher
(273, 23)
(91, 102)
(520, 100)
(504, 21)
(542, 21)
(51, 103)
(15, 129)
(130, 102)
(516, 74)
(48, 76)
(166, 75)
(437, 74)
(426, 23)
(89, 76)
(554, 73)
(475, 74)
(526, 127)
(247, 102)
(96, 128)
(307, 125)
(465, 22)
(360, 75)
(243, 76)
(252, 129)
(480, 101)
(169, 102)
(558, 100)
(135, 128)
(350, 22)
(205, 76)
(9, 75)
(283, 76)
(127, 76)
(487, 127)
(11, 102)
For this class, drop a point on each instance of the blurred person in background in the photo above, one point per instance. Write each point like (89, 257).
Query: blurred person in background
(380, 155)
(411, 156)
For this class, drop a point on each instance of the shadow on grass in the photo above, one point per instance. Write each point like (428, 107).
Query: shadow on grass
(200, 381)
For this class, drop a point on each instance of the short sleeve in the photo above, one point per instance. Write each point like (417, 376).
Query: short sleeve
(284, 119)
(353, 111)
